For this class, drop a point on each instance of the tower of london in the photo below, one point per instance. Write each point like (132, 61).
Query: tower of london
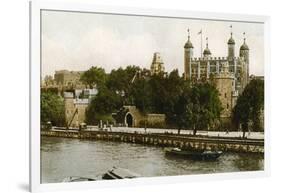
(230, 73)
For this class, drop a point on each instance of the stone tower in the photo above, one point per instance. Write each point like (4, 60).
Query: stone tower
(231, 47)
(69, 106)
(225, 84)
(244, 54)
(75, 109)
(157, 65)
(188, 54)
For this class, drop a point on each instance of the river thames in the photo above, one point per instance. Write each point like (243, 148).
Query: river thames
(64, 157)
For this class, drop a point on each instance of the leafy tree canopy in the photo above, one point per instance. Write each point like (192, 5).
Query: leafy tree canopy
(52, 109)
(185, 105)
(198, 107)
(94, 76)
(120, 80)
(105, 103)
(249, 106)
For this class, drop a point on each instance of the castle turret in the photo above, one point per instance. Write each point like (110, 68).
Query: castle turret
(69, 107)
(244, 51)
(207, 52)
(225, 84)
(188, 54)
(231, 46)
(244, 54)
(157, 65)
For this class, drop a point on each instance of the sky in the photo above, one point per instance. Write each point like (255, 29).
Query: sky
(76, 41)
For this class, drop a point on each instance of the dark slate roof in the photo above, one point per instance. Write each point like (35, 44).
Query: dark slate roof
(207, 51)
(188, 44)
(244, 47)
(231, 41)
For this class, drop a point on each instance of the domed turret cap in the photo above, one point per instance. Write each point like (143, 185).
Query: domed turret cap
(244, 46)
(231, 40)
(207, 51)
(188, 44)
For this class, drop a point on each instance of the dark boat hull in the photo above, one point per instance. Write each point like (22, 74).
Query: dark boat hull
(78, 179)
(119, 173)
(195, 155)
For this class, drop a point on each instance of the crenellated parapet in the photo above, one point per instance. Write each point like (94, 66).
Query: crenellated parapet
(219, 59)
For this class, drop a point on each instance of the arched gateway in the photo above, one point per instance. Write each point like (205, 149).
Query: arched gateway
(129, 120)
(132, 117)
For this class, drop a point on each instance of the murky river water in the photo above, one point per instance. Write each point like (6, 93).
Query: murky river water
(62, 157)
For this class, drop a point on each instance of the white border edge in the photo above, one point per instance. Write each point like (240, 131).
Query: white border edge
(267, 95)
(34, 57)
(34, 96)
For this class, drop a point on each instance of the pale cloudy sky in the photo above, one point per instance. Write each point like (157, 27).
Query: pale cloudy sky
(76, 41)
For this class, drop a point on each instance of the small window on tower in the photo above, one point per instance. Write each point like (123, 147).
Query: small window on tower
(225, 95)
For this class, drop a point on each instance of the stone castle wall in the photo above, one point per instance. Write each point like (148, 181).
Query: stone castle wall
(156, 120)
(225, 86)
(65, 78)
(144, 120)
(75, 110)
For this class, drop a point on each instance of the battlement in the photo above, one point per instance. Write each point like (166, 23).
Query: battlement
(235, 93)
(69, 95)
(78, 101)
(216, 59)
(68, 72)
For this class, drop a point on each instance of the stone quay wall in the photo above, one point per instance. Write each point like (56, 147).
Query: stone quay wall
(164, 140)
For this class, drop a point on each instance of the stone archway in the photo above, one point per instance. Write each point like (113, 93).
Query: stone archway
(129, 120)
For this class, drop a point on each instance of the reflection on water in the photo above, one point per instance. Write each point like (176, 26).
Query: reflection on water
(62, 157)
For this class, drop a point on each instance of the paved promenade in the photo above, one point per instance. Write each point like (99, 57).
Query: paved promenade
(249, 135)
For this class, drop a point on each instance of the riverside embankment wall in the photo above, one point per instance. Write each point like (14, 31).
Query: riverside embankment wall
(165, 140)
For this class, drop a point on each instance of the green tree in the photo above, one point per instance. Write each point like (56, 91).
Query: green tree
(179, 110)
(48, 80)
(172, 107)
(206, 106)
(52, 109)
(95, 76)
(141, 95)
(120, 81)
(102, 106)
(198, 107)
(249, 106)
(157, 84)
